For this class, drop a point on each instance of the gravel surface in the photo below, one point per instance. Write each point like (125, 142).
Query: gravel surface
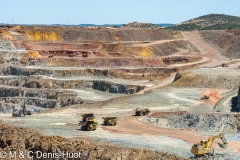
(233, 137)
(161, 143)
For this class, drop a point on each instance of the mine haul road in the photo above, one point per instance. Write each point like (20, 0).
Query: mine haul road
(130, 124)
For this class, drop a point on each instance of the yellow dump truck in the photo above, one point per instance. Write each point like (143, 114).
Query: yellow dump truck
(142, 111)
(89, 126)
(110, 120)
(88, 116)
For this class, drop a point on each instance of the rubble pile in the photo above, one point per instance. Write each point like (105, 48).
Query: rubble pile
(21, 139)
(210, 123)
(226, 123)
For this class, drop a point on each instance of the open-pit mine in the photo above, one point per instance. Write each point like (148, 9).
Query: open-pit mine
(188, 80)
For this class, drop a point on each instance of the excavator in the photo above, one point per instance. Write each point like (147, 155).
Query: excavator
(205, 146)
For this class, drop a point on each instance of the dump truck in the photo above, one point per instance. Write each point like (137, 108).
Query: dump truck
(142, 111)
(51, 56)
(88, 116)
(89, 126)
(205, 146)
(110, 121)
(71, 55)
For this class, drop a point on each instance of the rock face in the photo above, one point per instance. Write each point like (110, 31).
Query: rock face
(42, 98)
(116, 88)
(41, 83)
(156, 73)
(237, 108)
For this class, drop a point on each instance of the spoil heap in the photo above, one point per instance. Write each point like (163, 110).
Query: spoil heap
(21, 139)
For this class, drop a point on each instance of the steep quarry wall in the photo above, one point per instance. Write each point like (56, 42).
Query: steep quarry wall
(116, 88)
(119, 49)
(4, 33)
(9, 45)
(138, 73)
(237, 108)
(22, 58)
(43, 83)
(120, 61)
(32, 58)
(61, 46)
(36, 103)
(41, 35)
(125, 49)
(10, 97)
(103, 62)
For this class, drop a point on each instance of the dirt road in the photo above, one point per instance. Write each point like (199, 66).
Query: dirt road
(155, 42)
(206, 49)
(164, 82)
(129, 124)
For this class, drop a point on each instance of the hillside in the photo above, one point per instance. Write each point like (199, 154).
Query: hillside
(210, 22)
(226, 41)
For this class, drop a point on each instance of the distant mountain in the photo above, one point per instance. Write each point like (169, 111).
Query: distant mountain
(209, 22)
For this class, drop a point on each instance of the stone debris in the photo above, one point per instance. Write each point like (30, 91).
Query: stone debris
(21, 139)
(208, 123)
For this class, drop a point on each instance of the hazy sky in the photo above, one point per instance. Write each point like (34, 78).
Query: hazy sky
(111, 11)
